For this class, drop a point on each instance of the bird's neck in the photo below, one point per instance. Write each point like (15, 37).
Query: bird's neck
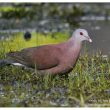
(74, 44)
(73, 47)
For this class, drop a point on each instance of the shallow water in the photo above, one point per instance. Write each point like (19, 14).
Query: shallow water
(100, 34)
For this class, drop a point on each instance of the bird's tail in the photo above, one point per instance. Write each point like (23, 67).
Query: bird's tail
(5, 62)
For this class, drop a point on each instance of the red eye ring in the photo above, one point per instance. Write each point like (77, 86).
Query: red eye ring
(81, 33)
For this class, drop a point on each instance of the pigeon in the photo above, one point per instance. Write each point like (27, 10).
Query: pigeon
(52, 59)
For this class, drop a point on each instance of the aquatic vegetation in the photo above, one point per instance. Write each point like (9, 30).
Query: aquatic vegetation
(87, 85)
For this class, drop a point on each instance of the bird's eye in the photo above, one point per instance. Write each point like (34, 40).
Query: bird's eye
(81, 33)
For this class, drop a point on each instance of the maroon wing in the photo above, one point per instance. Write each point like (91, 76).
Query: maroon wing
(43, 57)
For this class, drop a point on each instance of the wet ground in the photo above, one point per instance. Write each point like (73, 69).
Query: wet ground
(100, 34)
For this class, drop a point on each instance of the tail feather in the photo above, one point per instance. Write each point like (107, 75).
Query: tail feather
(17, 56)
(5, 62)
(2, 63)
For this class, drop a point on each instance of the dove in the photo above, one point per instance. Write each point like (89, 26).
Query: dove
(58, 58)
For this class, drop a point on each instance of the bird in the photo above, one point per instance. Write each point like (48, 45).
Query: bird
(27, 35)
(51, 59)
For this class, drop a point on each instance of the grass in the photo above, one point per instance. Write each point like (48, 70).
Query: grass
(6, 8)
(87, 85)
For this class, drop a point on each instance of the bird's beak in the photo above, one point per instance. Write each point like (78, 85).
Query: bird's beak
(90, 40)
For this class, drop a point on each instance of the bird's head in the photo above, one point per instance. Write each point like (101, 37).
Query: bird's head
(81, 35)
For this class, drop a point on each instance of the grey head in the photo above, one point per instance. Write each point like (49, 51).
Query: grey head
(81, 35)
